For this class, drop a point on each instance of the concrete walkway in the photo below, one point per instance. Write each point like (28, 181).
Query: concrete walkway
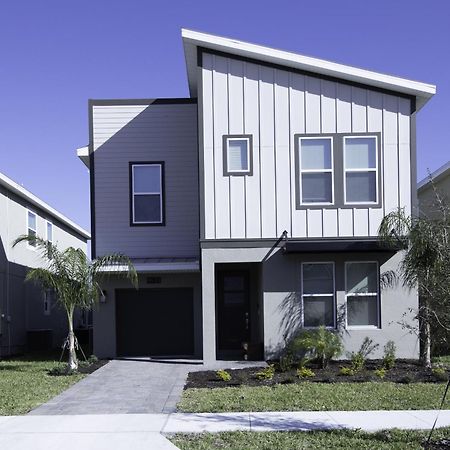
(129, 387)
(143, 431)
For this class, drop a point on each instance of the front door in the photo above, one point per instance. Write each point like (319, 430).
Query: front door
(233, 313)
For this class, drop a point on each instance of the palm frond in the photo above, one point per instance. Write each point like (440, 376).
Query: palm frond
(115, 264)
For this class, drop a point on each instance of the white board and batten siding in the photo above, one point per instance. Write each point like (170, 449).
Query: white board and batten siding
(274, 105)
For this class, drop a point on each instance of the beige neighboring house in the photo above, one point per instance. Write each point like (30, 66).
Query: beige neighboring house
(29, 318)
(425, 191)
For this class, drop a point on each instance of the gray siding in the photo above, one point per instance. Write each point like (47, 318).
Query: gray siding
(124, 133)
(273, 105)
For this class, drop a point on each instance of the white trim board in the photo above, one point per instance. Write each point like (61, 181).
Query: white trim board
(194, 39)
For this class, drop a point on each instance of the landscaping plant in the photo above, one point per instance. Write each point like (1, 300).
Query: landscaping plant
(380, 373)
(359, 358)
(320, 344)
(267, 373)
(75, 280)
(223, 375)
(389, 355)
(304, 372)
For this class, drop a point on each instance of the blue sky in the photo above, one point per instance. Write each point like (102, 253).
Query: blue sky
(55, 55)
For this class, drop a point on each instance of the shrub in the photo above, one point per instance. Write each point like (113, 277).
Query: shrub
(286, 362)
(92, 359)
(320, 344)
(267, 373)
(304, 372)
(389, 355)
(223, 375)
(347, 371)
(380, 373)
(440, 373)
(359, 358)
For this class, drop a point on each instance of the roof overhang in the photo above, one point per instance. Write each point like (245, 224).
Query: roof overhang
(20, 191)
(436, 176)
(337, 246)
(83, 154)
(192, 40)
(158, 265)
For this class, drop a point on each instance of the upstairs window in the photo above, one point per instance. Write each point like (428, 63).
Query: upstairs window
(50, 232)
(318, 294)
(316, 171)
(362, 294)
(147, 202)
(360, 170)
(31, 228)
(49, 299)
(237, 155)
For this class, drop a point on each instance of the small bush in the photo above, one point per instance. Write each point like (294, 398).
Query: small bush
(92, 359)
(223, 375)
(359, 358)
(440, 373)
(304, 372)
(320, 344)
(347, 371)
(286, 362)
(380, 373)
(389, 355)
(267, 373)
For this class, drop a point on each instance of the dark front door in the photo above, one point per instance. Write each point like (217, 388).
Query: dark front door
(155, 322)
(233, 311)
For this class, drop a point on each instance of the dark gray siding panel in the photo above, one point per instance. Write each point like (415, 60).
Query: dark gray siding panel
(124, 133)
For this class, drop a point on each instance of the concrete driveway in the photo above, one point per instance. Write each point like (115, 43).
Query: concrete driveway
(128, 387)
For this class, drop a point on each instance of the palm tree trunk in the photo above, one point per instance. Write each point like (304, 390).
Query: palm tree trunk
(73, 362)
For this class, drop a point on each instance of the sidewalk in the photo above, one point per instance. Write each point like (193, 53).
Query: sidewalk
(143, 431)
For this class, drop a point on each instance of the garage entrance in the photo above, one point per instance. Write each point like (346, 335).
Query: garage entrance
(155, 322)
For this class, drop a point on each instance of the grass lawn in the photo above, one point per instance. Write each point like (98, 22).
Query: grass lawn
(25, 383)
(240, 440)
(310, 396)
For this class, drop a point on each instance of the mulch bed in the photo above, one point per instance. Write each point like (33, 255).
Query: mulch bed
(405, 371)
(93, 366)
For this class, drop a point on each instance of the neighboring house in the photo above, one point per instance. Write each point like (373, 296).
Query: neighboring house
(426, 190)
(251, 209)
(29, 318)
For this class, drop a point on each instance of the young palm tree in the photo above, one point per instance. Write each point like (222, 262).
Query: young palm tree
(425, 265)
(75, 280)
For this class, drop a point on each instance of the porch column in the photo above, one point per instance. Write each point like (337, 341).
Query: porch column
(208, 308)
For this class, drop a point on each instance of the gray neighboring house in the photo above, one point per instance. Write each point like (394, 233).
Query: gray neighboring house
(425, 190)
(30, 318)
(251, 208)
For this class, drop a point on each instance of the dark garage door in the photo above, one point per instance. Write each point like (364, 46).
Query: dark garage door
(155, 322)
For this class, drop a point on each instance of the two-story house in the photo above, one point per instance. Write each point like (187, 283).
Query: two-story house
(29, 317)
(251, 208)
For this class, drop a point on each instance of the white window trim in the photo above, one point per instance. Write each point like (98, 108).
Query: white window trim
(160, 193)
(29, 211)
(47, 223)
(333, 294)
(364, 294)
(302, 171)
(248, 170)
(361, 170)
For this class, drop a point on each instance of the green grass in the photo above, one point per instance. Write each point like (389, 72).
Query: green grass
(445, 360)
(310, 396)
(240, 440)
(25, 383)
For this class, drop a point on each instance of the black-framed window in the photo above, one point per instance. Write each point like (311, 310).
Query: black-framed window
(147, 193)
(237, 154)
(338, 170)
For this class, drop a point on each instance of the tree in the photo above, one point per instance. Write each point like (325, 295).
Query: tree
(75, 280)
(425, 265)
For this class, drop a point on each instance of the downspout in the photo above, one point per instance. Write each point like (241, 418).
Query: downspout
(7, 317)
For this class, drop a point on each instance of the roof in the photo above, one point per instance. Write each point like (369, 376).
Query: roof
(31, 198)
(192, 40)
(437, 175)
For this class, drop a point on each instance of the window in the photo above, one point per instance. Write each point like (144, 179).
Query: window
(318, 294)
(360, 170)
(362, 294)
(316, 171)
(48, 300)
(147, 181)
(50, 232)
(237, 157)
(31, 227)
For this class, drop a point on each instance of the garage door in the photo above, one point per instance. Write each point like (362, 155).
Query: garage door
(155, 322)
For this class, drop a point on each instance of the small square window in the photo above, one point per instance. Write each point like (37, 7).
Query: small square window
(237, 155)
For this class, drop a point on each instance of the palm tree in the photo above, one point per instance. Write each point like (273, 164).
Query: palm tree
(75, 280)
(425, 265)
